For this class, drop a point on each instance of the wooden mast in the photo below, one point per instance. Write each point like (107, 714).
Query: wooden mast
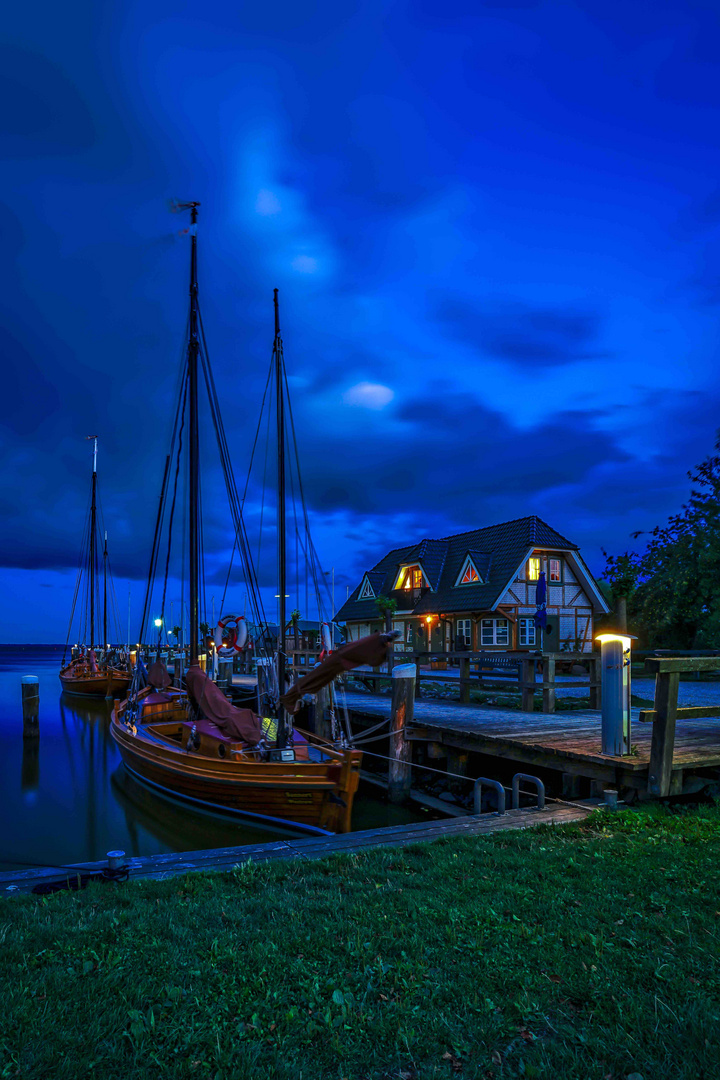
(193, 441)
(283, 727)
(93, 554)
(105, 640)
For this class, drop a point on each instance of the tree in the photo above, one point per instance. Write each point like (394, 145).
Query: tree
(387, 607)
(677, 599)
(176, 632)
(294, 623)
(621, 574)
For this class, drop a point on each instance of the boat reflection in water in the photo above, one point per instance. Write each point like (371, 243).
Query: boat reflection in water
(178, 826)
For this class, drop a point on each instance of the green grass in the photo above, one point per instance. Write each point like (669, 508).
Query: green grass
(577, 953)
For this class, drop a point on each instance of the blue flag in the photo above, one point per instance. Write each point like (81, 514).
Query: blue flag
(540, 594)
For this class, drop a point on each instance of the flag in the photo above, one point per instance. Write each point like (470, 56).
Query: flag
(540, 606)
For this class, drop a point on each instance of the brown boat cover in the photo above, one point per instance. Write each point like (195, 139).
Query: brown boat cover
(370, 650)
(236, 723)
(158, 676)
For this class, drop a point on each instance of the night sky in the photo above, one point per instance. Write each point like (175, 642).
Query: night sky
(495, 231)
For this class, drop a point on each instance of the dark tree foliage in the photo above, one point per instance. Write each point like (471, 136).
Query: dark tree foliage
(673, 588)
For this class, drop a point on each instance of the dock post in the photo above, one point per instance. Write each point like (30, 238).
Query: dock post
(663, 732)
(224, 676)
(401, 714)
(465, 679)
(595, 690)
(30, 688)
(457, 761)
(323, 726)
(528, 685)
(548, 676)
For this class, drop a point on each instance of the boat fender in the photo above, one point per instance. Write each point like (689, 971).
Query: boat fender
(326, 637)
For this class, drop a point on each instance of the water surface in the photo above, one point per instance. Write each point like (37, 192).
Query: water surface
(66, 797)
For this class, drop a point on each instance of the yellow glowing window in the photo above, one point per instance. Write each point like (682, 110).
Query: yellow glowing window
(533, 569)
(470, 575)
(413, 578)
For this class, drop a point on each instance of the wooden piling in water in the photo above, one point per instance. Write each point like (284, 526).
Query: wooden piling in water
(30, 689)
(401, 714)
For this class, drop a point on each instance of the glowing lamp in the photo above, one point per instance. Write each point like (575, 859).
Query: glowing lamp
(158, 623)
(615, 681)
(428, 618)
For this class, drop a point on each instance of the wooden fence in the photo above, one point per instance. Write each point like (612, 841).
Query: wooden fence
(664, 716)
(478, 669)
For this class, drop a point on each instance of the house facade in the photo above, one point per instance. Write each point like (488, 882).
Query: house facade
(476, 591)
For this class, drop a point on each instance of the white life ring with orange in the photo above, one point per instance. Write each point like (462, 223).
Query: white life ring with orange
(231, 635)
(326, 635)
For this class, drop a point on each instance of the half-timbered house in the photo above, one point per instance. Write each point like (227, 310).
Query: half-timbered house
(476, 590)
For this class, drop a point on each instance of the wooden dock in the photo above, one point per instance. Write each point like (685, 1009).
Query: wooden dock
(567, 742)
(160, 867)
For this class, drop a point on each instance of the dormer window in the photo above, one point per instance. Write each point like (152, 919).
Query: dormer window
(366, 592)
(469, 573)
(411, 577)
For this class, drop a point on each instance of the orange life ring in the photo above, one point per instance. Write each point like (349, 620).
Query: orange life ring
(230, 639)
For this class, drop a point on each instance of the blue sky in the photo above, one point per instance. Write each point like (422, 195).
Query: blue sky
(495, 231)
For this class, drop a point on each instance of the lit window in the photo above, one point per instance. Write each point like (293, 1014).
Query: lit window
(533, 569)
(526, 631)
(412, 578)
(470, 575)
(554, 570)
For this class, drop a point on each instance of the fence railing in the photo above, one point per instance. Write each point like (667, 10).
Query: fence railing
(663, 717)
(476, 669)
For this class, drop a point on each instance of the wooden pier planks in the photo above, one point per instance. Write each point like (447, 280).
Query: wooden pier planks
(568, 741)
(159, 867)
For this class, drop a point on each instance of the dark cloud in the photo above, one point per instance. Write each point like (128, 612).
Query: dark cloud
(531, 336)
(44, 115)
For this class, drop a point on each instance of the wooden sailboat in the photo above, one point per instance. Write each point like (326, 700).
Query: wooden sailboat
(92, 673)
(190, 741)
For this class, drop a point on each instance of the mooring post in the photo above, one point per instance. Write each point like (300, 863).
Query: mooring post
(30, 688)
(401, 714)
(323, 724)
(225, 672)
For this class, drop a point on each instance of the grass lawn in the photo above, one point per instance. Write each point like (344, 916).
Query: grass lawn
(577, 953)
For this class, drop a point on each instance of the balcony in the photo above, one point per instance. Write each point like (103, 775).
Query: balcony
(406, 599)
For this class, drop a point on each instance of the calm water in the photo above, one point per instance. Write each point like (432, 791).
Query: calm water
(66, 797)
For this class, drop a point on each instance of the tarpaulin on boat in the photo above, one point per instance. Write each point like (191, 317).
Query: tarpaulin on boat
(370, 650)
(236, 723)
(158, 675)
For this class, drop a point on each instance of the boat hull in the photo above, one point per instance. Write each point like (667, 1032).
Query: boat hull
(312, 794)
(100, 684)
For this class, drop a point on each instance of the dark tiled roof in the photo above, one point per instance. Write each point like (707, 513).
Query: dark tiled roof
(497, 551)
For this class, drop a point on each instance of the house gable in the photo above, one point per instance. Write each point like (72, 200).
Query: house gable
(366, 590)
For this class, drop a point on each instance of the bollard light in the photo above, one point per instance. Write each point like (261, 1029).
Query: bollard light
(615, 652)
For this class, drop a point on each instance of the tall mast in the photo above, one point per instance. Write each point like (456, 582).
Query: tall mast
(283, 732)
(194, 447)
(105, 640)
(93, 527)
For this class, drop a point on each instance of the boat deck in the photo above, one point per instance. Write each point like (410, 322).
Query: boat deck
(225, 859)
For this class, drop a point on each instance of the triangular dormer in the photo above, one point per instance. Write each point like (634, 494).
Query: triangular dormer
(366, 590)
(469, 574)
(411, 576)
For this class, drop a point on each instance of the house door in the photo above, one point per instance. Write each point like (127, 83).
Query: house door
(399, 645)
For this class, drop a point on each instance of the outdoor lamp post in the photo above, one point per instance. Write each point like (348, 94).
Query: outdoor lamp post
(615, 664)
